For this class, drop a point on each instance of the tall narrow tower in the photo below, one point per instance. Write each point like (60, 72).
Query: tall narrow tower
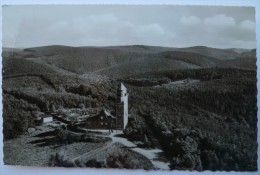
(121, 107)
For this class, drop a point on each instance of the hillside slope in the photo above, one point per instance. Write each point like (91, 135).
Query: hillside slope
(222, 54)
(197, 104)
(119, 61)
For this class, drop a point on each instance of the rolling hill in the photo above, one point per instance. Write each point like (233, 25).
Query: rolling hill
(118, 61)
(206, 122)
(221, 54)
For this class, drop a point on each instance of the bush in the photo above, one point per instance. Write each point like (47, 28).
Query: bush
(60, 161)
(93, 163)
(121, 160)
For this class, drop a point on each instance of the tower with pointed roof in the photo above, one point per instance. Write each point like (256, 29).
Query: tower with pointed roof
(121, 107)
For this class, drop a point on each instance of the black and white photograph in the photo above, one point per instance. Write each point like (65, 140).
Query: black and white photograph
(136, 87)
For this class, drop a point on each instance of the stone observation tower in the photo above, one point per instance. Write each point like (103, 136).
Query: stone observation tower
(121, 107)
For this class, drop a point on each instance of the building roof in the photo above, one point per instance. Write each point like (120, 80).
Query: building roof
(106, 113)
(46, 115)
(102, 112)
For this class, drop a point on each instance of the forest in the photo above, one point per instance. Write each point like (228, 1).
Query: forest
(198, 104)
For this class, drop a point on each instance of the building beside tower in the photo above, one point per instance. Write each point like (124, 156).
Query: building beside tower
(106, 120)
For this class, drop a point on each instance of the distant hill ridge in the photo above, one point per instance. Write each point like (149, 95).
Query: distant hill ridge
(230, 53)
(118, 61)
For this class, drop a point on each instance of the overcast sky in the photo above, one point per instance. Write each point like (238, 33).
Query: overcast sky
(106, 25)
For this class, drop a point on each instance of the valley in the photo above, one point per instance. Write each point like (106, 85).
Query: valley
(196, 106)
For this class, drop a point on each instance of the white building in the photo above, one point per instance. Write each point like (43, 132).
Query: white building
(46, 118)
(122, 107)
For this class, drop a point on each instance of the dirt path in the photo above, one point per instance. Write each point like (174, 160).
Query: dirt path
(151, 154)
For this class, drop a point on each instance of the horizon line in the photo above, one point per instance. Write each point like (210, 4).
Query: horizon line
(6, 47)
